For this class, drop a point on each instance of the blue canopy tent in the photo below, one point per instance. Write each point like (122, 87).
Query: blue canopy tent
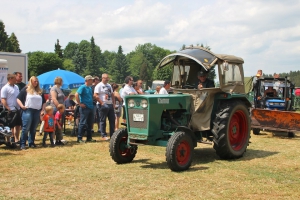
(70, 79)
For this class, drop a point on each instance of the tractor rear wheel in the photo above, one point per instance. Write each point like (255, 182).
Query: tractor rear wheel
(231, 130)
(179, 151)
(256, 131)
(118, 148)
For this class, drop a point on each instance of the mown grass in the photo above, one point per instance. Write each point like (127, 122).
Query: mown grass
(269, 170)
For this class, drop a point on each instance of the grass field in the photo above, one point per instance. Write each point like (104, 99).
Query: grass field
(270, 169)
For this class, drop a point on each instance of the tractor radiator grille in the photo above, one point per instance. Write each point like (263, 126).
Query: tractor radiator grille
(134, 124)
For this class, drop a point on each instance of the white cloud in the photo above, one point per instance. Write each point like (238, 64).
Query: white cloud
(265, 33)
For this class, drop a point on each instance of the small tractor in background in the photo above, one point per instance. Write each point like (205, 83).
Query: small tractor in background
(179, 121)
(274, 111)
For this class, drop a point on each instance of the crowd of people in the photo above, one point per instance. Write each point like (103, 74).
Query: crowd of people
(96, 101)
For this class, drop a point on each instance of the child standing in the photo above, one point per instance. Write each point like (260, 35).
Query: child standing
(59, 124)
(49, 125)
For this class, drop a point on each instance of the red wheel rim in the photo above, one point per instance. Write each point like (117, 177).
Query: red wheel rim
(123, 150)
(238, 128)
(183, 152)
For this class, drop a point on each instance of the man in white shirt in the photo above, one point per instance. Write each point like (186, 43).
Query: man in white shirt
(127, 90)
(105, 103)
(167, 85)
(9, 94)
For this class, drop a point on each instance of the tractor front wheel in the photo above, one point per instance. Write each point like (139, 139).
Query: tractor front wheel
(179, 152)
(120, 152)
(231, 130)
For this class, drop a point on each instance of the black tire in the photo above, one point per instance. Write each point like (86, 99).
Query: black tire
(231, 130)
(256, 131)
(179, 152)
(118, 149)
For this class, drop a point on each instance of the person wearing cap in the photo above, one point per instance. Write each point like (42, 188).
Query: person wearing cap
(164, 89)
(84, 97)
(203, 81)
(106, 105)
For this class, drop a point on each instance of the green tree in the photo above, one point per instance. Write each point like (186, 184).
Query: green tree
(4, 40)
(136, 59)
(70, 50)
(163, 74)
(80, 57)
(78, 62)
(107, 58)
(144, 74)
(14, 44)
(119, 67)
(58, 50)
(68, 65)
(93, 59)
(40, 62)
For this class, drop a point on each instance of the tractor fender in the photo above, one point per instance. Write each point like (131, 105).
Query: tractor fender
(188, 131)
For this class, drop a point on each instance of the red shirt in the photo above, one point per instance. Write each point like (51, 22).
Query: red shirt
(49, 123)
(58, 118)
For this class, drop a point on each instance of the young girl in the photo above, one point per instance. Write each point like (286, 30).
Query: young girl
(59, 124)
(49, 125)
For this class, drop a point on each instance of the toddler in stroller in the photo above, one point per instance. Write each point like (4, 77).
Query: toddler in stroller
(5, 131)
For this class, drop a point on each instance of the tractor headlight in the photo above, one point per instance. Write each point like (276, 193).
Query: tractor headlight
(144, 103)
(131, 103)
(282, 104)
(271, 103)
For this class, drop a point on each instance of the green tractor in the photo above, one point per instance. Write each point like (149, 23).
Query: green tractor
(188, 116)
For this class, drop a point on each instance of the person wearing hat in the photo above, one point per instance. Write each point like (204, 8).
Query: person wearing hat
(203, 81)
(84, 97)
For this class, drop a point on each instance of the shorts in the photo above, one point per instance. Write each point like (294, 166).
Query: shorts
(14, 118)
(118, 114)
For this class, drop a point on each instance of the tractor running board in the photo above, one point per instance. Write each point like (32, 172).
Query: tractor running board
(275, 120)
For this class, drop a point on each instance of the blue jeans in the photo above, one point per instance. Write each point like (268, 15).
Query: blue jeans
(45, 137)
(86, 122)
(30, 120)
(106, 110)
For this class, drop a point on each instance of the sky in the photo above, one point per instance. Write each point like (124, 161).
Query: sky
(266, 34)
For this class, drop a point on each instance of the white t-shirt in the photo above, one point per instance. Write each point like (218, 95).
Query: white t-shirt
(104, 92)
(126, 91)
(33, 101)
(10, 93)
(163, 91)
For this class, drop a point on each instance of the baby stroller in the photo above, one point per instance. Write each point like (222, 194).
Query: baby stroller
(5, 132)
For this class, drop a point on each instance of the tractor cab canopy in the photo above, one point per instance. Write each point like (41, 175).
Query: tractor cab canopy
(186, 64)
